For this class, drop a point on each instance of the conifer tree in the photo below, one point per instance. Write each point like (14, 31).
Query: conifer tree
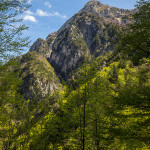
(135, 39)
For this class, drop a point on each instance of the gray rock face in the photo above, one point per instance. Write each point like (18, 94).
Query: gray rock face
(51, 36)
(35, 88)
(44, 47)
(87, 34)
(109, 13)
(41, 47)
(67, 55)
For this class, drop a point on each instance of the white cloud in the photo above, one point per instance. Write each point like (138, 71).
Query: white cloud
(29, 18)
(29, 12)
(40, 12)
(48, 4)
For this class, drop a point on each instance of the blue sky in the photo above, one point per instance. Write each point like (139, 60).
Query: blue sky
(47, 16)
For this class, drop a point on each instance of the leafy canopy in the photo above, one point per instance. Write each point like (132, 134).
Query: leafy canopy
(11, 40)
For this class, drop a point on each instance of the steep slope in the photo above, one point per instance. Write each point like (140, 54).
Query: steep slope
(87, 34)
(38, 76)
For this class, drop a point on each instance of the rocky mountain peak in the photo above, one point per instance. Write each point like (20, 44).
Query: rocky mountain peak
(109, 13)
(51, 36)
(44, 47)
(87, 34)
(91, 5)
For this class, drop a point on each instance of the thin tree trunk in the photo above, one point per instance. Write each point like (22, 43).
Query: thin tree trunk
(97, 139)
(80, 127)
(83, 139)
(9, 136)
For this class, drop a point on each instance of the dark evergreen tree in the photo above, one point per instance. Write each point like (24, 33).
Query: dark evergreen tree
(134, 40)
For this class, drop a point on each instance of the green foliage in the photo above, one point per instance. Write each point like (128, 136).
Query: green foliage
(135, 39)
(106, 104)
(37, 74)
(10, 102)
(106, 107)
(11, 38)
(11, 43)
(114, 106)
(37, 64)
(81, 44)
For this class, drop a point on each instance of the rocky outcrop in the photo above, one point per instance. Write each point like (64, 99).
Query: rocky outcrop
(109, 13)
(44, 47)
(38, 76)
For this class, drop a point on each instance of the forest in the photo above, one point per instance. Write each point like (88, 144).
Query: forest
(105, 105)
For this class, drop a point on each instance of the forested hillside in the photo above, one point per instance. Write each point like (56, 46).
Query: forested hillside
(86, 87)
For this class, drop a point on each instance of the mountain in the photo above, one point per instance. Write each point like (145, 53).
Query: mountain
(87, 34)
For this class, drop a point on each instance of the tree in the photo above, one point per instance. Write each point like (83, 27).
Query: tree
(11, 40)
(11, 43)
(135, 39)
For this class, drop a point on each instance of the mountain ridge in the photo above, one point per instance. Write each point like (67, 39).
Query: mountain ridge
(88, 33)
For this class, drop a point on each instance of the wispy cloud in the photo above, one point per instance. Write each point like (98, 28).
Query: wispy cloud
(42, 13)
(29, 18)
(59, 15)
(48, 4)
